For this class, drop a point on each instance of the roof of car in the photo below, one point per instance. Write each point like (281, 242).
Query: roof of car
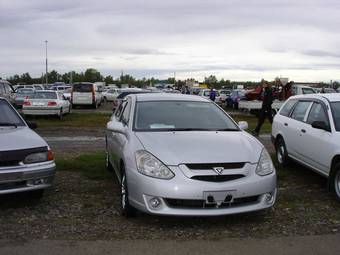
(168, 96)
(332, 97)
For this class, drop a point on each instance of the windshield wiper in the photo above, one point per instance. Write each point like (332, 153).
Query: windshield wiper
(227, 129)
(7, 124)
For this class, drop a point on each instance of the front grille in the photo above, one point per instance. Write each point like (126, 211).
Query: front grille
(9, 163)
(217, 178)
(201, 204)
(234, 165)
(12, 185)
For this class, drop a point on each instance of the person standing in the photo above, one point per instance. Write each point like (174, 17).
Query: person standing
(266, 109)
(212, 94)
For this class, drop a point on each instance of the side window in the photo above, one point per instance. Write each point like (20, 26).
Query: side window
(2, 89)
(120, 109)
(126, 113)
(317, 113)
(287, 108)
(300, 110)
(7, 89)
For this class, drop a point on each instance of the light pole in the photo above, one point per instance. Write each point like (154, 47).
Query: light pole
(46, 62)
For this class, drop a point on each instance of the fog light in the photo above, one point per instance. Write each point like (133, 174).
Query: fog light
(269, 198)
(155, 202)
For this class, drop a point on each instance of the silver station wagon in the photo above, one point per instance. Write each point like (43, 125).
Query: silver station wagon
(183, 155)
(26, 161)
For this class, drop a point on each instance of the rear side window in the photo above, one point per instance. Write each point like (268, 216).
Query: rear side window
(287, 108)
(120, 109)
(317, 113)
(300, 110)
(82, 87)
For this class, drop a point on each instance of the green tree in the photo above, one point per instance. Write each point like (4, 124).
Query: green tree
(92, 75)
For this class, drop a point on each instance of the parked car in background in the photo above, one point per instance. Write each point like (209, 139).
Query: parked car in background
(46, 102)
(124, 93)
(302, 90)
(235, 97)
(205, 93)
(6, 91)
(307, 130)
(111, 94)
(26, 161)
(328, 90)
(61, 88)
(183, 155)
(195, 91)
(23, 87)
(21, 95)
(224, 94)
(38, 87)
(67, 93)
(86, 93)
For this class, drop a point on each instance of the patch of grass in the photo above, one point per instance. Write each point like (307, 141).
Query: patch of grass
(92, 166)
(72, 120)
(252, 122)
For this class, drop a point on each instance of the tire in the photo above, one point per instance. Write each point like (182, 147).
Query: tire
(336, 182)
(126, 209)
(236, 106)
(95, 106)
(281, 152)
(37, 194)
(109, 166)
(61, 114)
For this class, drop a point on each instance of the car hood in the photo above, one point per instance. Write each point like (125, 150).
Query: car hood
(174, 148)
(19, 138)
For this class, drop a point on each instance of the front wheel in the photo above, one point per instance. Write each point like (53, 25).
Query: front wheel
(281, 152)
(125, 208)
(61, 114)
(336, 182)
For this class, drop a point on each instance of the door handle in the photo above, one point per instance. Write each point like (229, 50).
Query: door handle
(286, 124)
(303, 130)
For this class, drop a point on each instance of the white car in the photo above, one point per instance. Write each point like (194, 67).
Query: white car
(307, 130)
(111, 94)
(177, 154)
(46, 102)
(86, 93)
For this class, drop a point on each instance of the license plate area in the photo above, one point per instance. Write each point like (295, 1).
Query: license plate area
(218, 198)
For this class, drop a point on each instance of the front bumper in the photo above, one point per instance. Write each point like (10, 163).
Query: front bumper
(23, 178)
(249, 193)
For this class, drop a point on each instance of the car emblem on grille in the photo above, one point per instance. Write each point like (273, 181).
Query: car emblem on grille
(218, 170)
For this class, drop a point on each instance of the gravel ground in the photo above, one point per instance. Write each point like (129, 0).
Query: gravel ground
(78, 208)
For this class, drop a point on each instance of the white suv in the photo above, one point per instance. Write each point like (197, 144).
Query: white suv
(85, 93)
(307, 130)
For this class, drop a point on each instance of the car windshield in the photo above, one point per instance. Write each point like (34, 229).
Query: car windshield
(82, 87)
(181, 116)
(44, 95)
(336, 114)
(8, 116)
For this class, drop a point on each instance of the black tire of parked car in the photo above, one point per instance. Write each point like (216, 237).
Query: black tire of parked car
(125, 208)
(95, 106)
(235, 106)
(335, 181)
(281, 152)
(61, 113)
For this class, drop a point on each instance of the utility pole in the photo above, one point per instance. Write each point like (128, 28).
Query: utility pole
(46, 63)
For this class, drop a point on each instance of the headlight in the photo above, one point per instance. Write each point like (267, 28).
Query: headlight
(265, 165)
(39, 157)
(151, 166)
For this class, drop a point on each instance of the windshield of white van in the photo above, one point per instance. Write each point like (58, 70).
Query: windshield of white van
(82, 87)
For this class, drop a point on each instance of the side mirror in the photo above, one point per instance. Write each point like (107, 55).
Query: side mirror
(32, 125)
(116, 127)
(321, 125)
(243, 125)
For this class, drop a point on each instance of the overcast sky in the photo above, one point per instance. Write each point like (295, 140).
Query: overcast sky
(232, 39)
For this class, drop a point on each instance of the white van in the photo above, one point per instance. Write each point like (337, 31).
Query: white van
(86, 93)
